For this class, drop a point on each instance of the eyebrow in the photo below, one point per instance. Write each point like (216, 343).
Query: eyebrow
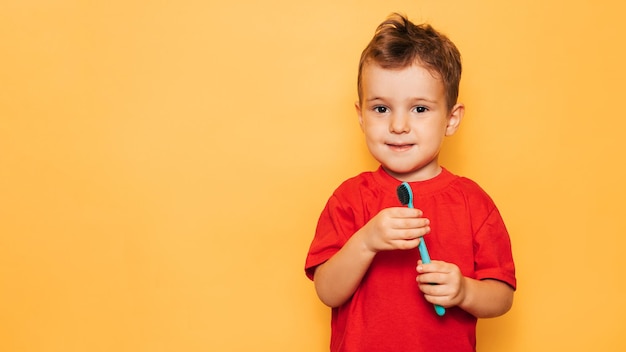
(412, 99)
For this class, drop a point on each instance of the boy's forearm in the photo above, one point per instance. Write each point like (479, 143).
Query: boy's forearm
(337, 279)
(486, 298)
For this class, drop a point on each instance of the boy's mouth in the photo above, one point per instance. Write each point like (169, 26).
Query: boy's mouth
(400, 147)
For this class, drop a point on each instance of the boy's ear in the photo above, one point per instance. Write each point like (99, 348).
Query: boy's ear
(454, 119)
(359, 113)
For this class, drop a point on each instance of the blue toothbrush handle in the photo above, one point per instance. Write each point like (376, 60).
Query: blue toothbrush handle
(423, 251)
(440, 310)
(422, 245)
(426, 259)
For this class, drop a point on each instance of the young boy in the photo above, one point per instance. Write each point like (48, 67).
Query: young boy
(363, 258)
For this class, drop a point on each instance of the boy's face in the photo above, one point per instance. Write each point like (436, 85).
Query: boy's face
(404, 116)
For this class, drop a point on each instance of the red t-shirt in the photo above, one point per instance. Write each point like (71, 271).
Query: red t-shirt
(388, 312)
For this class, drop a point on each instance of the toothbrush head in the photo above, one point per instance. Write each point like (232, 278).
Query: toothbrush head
(405, 195)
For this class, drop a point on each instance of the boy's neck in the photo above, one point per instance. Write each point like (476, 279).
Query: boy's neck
(423, 174)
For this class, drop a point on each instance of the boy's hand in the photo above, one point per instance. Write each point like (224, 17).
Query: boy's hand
(442, 283)
(395, 228)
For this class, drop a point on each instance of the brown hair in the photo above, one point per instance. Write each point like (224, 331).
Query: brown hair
(398, 43)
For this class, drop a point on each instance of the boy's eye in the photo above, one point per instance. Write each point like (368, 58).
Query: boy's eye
(421, 109)
(380, 109)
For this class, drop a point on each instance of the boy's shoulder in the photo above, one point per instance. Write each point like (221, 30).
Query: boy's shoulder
(367, 180)
(475, 196)
(468, 184)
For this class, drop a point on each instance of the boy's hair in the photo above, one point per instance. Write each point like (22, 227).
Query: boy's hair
(398, 43)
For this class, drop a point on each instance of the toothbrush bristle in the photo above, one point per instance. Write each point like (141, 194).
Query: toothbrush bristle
(403, 194)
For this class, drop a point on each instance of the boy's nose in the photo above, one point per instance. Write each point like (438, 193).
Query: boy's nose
(399, 123)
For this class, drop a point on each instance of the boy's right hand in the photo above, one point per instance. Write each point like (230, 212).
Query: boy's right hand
(395, 228)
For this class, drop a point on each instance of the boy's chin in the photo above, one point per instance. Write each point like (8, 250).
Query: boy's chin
(401, 168)
(404, 173)
(399, 172)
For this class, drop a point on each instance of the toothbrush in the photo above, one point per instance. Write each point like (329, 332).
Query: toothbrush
(405, 195)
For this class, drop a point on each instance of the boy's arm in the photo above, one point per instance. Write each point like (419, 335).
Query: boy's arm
(486, 298)
(337, 279)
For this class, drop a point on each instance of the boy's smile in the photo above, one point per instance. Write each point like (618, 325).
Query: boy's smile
(405, 118)
(399, 147)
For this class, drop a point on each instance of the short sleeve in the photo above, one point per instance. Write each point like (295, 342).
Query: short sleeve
(334, 228)
(492, 250)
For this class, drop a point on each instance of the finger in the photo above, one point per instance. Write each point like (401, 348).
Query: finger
(411, 234)
(433, 278)
(406, 244)
(404, 212)
(435, 266)
(443, 301)
(431, 289)
(410, 223)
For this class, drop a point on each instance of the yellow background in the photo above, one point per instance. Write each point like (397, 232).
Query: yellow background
(163, 165)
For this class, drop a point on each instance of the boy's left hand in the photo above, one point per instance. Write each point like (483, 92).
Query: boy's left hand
(442, 283)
